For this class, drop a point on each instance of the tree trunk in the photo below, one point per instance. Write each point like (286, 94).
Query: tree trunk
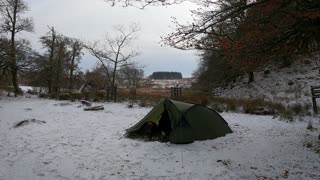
(114, 75)
(251, 77)
(71, 69)
(14, 68)
(50, 78)
(59, 68)
(14, 78)
(58, 75)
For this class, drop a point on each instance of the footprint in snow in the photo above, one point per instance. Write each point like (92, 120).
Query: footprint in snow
(41, 174)
(47, 162)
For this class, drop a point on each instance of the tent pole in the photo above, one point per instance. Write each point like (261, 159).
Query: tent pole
(181, 149)
(182, 158)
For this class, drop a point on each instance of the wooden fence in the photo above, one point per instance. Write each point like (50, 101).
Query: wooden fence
(176, 91)
(315, 94)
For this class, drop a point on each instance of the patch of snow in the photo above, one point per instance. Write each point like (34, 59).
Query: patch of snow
(75, 144)
(26, 88)
(164, 84)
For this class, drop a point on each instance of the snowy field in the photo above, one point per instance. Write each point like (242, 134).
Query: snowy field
(78, 145)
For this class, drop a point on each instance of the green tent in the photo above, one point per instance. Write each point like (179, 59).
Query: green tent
(181, 122)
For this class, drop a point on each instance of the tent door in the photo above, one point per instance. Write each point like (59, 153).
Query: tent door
(165, 125)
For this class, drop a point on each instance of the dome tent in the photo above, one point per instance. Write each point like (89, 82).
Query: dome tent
(183, 122)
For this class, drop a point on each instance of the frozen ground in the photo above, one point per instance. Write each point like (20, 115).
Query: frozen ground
(78, 145)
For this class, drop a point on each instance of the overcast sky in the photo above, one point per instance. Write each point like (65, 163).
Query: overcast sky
(91, 20)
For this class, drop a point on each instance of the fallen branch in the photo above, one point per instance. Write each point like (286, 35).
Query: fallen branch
(87, 103)
(95, 108)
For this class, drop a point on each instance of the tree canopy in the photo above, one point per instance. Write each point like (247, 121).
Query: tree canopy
(245, 34)
(250, 34)
(166, 75)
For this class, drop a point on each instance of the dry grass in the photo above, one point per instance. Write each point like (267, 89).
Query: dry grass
(249, 106)
(147, 97)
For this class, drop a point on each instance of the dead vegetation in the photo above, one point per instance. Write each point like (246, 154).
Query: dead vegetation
(27, 122)
(148, 97)
(94, 108)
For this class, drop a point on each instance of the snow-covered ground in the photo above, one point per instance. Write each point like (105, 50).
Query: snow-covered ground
(288, 85)
(168, 83)
(78, 145)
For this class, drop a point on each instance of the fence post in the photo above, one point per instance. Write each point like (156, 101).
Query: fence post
(315, 93)
(314, 104)
(176, 91)
(171, 91)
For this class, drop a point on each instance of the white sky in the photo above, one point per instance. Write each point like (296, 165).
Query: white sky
(91, 20)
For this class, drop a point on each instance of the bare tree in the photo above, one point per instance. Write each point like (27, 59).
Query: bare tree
(4, 49)
(96, 78)
(115, 52)
(4, 63)
(76, 48)
(24, 59)
(62, 57)
(49, 41)
(132, 73)
(143, 3)
(13, 23)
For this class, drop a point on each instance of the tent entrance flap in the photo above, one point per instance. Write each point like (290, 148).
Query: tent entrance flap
(154, 130)
(165, 124)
